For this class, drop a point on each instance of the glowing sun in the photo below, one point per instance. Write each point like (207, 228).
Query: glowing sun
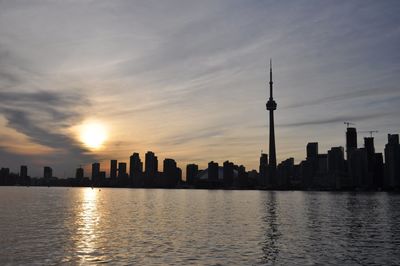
(93, 135)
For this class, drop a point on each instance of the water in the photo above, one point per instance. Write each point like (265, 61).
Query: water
(136, 226)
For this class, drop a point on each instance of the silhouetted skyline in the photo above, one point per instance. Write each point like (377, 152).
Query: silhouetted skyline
(80, 84)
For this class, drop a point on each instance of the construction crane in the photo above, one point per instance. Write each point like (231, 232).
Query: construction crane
(348, 123)
(369, 131)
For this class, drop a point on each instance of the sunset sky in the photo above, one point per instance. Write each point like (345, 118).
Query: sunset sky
(188, 79)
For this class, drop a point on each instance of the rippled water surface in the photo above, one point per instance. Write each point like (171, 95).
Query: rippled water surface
(135, 226)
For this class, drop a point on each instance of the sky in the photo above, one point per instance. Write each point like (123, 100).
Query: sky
(188, 79)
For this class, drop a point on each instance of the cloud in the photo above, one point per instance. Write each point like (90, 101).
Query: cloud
(336, 119)
(44, 117)
(350, 95)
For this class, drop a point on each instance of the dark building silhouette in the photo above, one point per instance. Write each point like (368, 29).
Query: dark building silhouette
(212, 171)
(122, 170)
(378, 175)
(228, 174)
(47, 172)
(95, 171)
(102, 177)
(351, 141)
(285, 172)
(263, 170)
(79, 174)
(23, 173)
(271, 107)
(392, 160)
(171, 173)
(113, 169)
(135, 166)
(151, 168)
(192, 171)
(312, 150)
(358, 165)
(242, 181)
(337, 167)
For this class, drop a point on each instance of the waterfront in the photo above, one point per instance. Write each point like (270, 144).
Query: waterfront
(40, 225)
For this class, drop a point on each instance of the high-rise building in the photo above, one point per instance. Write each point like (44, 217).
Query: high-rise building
(47, 172)
(213, 171)
(312, 150)
(23, 171)
(336, 163)
(351, 141)
(392, 162)
(151, 167)
(228, 174)
(79, 173)
(122, 170)
(191, 173)
(271, 107)
(135, 166)
(171, 173)
(358, 164)
(263, 170)
(113, 169)
(95, 171)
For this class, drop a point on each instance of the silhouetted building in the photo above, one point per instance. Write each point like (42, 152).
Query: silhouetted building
(102, 177)
(212, 171)
(192, 171)
(312, 164)
(392, 162)
(337, 167)
(151, 168)
(79, 174)
(122, 170)
(263, 170)
(351, 141)
(135, 166)
(23, 173)
(228, 174)
(271, 107)
(47, 172)
(285, 173)
(378, 178)
(358, 164)
(242, 177)
(306, 174)
(312, 150)
(171, 173)
(95, 171)
(113, 169)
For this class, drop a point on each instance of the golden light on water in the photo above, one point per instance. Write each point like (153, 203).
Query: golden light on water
(93, 134)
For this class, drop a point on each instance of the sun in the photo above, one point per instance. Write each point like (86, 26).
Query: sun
(93, 135)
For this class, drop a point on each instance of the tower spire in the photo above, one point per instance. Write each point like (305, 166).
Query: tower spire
(271, 107)
(270, 79)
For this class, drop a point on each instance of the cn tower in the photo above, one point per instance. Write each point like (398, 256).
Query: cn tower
(271, 107)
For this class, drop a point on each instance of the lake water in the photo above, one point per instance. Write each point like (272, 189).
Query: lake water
(137, 226)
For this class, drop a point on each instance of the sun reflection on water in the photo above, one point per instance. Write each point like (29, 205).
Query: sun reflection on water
(87, 222)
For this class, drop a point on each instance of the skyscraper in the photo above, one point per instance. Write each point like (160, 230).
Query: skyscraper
(47, 172)
(122, 170)
(351, 141)
(263, 169)
(23, 171)
(271, 107)
(135, 167)
(79, 173)
(151, 167)
(95, 171)
(191, 173)
(113, 169)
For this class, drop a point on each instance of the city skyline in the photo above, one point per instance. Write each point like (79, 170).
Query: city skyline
(185, 91)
